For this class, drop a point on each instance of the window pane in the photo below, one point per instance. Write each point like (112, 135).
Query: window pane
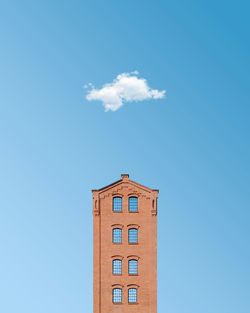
(117, 235)
(133, 204)
(132, 295)
(117, 204)
(133, 267)
(117, 295)
(133, 235)
(117, 267)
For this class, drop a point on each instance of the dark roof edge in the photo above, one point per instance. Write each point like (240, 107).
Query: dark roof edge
(110, 185)
(129, 180)
(143, 186)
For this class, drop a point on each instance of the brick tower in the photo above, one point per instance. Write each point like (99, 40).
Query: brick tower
(125, 248)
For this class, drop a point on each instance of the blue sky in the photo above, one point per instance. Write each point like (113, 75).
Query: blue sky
(56, 146)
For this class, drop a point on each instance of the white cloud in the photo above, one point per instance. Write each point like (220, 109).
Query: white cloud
(126, 87)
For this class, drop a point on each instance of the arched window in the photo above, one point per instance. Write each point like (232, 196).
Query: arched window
(117, 204)
(133, 267)
(132, 295)
(117, 295)
(133, 204)
(117, 235)
(133, 235)
(117, 267)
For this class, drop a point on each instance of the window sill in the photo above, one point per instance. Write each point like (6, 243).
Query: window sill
(133, 274)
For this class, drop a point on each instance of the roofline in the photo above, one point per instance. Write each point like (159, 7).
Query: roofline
(143, 186)
(121, 180)
(110, 185)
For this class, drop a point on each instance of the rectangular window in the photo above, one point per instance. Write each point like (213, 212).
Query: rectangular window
(133, 204)
(117, 204)
(132, 295)
(117, 295)
(117, 267)
(133, 267)
(133, 235)
(117, 235)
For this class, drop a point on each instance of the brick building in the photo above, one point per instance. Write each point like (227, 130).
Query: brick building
(125, 248)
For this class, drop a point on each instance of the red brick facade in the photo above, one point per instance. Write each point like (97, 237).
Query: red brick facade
(125, 248)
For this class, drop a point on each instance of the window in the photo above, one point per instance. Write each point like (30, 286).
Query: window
(133, 267)
(133, 204)
(117, 235)
(133, 235)
(117, 267)
(132, 295)
(117, 295)
(117, 204)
